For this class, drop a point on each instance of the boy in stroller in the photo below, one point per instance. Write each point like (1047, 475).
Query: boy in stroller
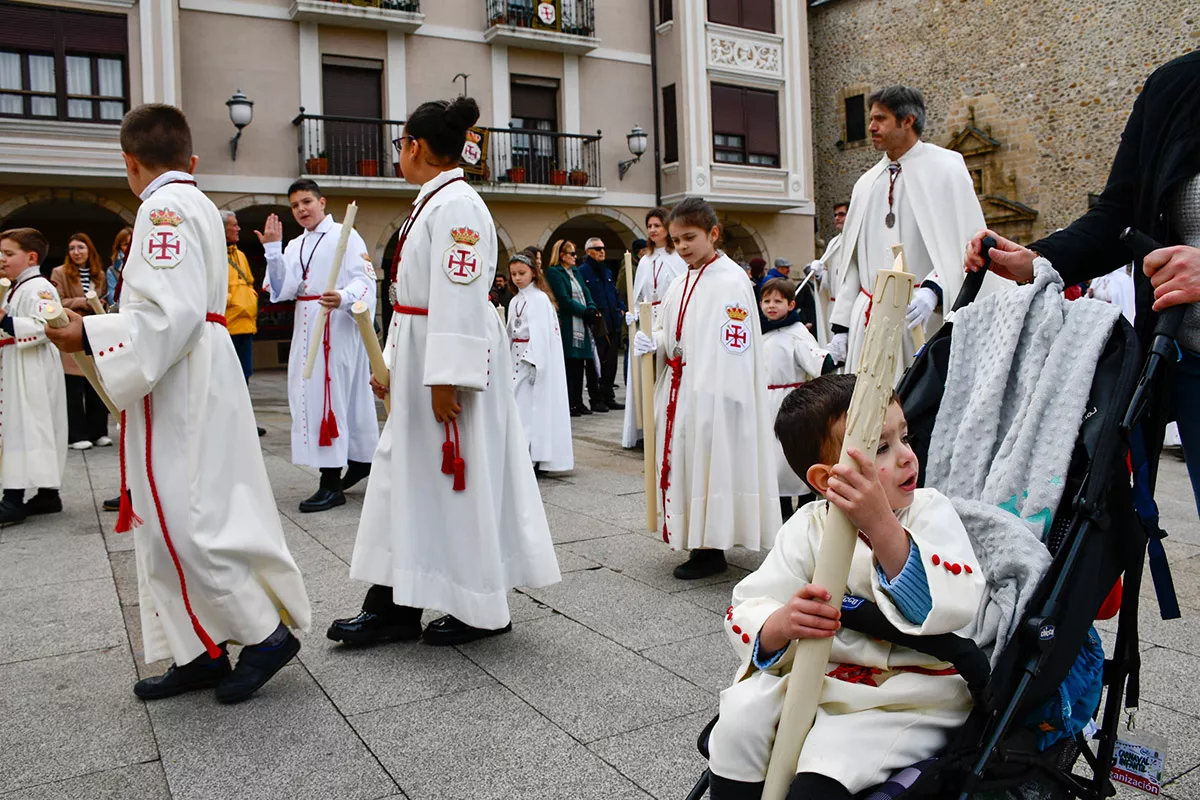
(883, 706)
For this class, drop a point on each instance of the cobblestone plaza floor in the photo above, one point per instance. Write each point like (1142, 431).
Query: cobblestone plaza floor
(598, 692)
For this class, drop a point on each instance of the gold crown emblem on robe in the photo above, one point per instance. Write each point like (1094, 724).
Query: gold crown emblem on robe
(464, 236)
(164, 216)
(737, 312)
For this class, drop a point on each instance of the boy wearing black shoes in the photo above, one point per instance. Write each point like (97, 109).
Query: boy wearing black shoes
(33, 410)
(213, 566)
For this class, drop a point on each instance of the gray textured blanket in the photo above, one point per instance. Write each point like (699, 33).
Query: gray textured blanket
(1020, 372)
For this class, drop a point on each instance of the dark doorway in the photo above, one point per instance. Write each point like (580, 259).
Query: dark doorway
(353, 88)
(59, 219)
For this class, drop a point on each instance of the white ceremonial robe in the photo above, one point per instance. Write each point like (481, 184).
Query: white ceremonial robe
(539, 379)
(826, 292)
(937, 213)
(1117, 288)
(654, 275)
(177, 379)
(351, 400)
(456, 551)
(792, 357)
(862, 732)
(721, 486)
(33, 410)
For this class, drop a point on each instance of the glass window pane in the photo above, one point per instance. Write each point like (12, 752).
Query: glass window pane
(112, 111)
(41, 73)
(10, 71)
(10, 104)
(79, 75)
(44, 107)
(79, 109)
(112, 82)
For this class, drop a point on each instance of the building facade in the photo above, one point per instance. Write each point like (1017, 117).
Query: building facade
(560, 85)
(1034, 93)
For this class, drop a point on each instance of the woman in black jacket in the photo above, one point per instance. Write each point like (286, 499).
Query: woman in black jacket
(1154, 186)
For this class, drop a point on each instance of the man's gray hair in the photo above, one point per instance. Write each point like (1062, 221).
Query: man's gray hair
(595, 241)
(903, 101)
(227, 215)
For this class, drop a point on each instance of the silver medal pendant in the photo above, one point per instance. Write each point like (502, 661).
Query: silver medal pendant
(890, 219)
(677, 352)
(392, 293)
(303, 288)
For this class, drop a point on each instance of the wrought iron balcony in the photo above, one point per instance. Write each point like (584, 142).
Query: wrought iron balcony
(402, 15)
(567, 26)
(503, 161)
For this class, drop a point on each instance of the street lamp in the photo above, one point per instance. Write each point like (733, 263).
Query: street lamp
(241, 112)
(637, 140)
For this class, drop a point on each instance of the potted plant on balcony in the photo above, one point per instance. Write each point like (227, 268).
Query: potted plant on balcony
(558, 177)
(396, 168)
(318, 165)
(516, 174)
(368, 167)
(579, 177)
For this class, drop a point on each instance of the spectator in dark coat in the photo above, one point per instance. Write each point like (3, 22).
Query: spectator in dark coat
(607, 329)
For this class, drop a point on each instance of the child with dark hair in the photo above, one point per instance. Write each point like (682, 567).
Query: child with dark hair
(213, 566)
(793, 357)
(716, 464)
(883, 707)
(334, 423)
(33, 414)
(452, 518)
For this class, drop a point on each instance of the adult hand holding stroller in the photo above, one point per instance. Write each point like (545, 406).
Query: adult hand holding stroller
(807, 615)
(1006, 258)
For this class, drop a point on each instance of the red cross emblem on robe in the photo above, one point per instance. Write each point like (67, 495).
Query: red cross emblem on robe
(461, 263)
(735, 335)
(163, 247)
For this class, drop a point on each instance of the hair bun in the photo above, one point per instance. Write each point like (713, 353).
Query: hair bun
(462, 113)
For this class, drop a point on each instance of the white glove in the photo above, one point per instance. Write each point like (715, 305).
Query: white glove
(838, 346)
(643, 344)
(818, 270)
(921, 308)
(632, 317)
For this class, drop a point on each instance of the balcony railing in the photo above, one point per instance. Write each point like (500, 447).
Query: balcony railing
(400, 15)
(508, 157)
(572, 17)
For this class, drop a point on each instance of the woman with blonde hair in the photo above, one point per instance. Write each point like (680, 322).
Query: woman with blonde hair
(82, 272)
(576, 313)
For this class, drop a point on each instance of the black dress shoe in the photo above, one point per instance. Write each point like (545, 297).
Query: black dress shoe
(614, 405)
(449, 630)
(203, 673)
(355, 472)
(323, 500)
(112, 504)
(256, 665)
(262, 432)
(702, 564)
(369, 628)
(575, 412)
(599, 408)
(585, 411)
(11, 513)
(44, 502)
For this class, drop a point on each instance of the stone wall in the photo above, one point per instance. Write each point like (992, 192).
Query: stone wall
(1052, 80)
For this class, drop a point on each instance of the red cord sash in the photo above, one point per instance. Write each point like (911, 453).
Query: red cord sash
(870, 305)
(127, 519)
(784, 385)
(676, 363)
(452, 460)
(329, 428)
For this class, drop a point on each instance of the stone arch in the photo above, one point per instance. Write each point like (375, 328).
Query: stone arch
(39, 196)
(250, 200)
(620, 220)
(742, 240)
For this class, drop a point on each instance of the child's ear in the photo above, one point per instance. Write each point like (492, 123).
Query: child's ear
(818, 477)
(791, 305)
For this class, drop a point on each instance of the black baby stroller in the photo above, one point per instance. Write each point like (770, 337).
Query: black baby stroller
(1100, 532)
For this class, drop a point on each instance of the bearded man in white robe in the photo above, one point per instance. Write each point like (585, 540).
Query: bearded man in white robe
(919, 195)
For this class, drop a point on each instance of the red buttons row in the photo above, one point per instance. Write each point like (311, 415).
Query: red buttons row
(953, 568)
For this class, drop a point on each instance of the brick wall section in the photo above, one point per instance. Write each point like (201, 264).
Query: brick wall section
(1055, 81)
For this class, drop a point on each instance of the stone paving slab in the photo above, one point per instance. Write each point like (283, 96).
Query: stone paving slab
(487, 745)
(289, 743)
(70, 715)
(135, 782)
(41, 621)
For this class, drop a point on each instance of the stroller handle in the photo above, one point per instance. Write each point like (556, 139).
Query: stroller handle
(974, 280)
(1141, 246)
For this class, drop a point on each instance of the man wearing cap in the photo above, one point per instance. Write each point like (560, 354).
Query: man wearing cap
(782, 269)
(603, 288)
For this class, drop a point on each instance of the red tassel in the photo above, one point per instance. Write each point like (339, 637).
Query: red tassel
(447, 453)
(460, 475)
(333, 426)
(126, 519)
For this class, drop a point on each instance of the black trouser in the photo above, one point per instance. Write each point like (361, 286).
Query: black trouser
(805, 786)
(608, 349)
(87, 417)
(576, 369)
